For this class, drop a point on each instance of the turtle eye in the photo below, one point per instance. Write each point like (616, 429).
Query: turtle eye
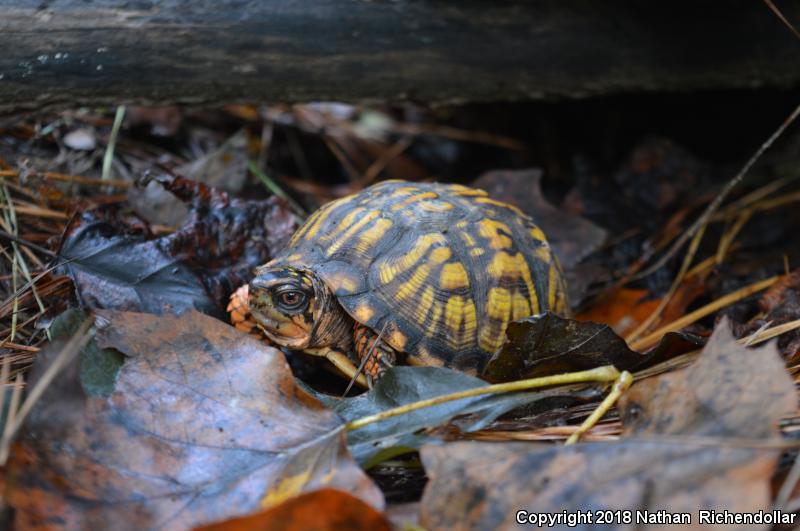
(291, 299)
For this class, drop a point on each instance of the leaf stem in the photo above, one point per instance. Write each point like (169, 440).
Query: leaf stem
(606, 373)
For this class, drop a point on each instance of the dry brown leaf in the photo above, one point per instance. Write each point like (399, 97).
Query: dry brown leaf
(204, 423)
(698, 439)
(321, 510)
(625, 309)
(730, 391)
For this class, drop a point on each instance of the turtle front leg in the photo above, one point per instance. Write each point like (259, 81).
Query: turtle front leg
(376, 356)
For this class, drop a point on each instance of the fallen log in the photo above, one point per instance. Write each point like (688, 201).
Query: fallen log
(106, 52)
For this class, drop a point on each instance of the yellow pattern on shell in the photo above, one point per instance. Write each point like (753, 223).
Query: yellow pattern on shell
(413, 199)
(458, 312)
(519, 306)
(465, 191)
(537, 234)
(372, 235)
(453, 276)
(490, 201)
(424, 306)
(398, 340)
(498, 307)
(514, 267)
(553, 287)
(436, 206)
(436, 313)
(312, 224)
(490, 229)
(388, 271)
(408, 288)
(345, 237)
(468, 239)
(344, 224)
(364, 313)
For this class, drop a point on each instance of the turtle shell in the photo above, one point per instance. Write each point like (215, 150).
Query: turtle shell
(439, 269)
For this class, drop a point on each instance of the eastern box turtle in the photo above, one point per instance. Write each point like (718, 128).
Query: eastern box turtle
(432, 273)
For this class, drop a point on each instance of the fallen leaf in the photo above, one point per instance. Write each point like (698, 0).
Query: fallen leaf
(702, 438)
(548, 344)
(204, 424)
(625, 309)
(224, 168)
(115, 266)
(321, 510)
(730, 391)
(117, 263)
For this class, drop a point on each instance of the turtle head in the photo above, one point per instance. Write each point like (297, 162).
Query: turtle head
(286, 302)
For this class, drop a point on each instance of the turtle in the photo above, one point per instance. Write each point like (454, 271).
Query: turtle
(422, 273)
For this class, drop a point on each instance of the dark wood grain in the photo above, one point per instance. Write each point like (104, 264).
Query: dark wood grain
(68, 52)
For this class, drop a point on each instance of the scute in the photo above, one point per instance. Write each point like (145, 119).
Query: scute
(440, 269)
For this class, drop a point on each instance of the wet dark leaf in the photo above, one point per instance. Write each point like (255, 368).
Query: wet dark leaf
(204, 424)
(548, 344)
(321, 510)
(116, 263)
(114, 267)
(696, 439)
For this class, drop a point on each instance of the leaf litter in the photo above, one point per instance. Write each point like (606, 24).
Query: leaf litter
(704, 437)
(677, 177)
(203, 424)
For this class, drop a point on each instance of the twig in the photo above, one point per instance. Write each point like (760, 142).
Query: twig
(386, 157)
(62, 177)
(621, 385)
(365, 360)
(704, 218)
(39, 212)
(606, 373)
(765, 335)
(30, 245)
(687, 261)
(11, 419)
(684, 359)
(651, 339)
(782, 18)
